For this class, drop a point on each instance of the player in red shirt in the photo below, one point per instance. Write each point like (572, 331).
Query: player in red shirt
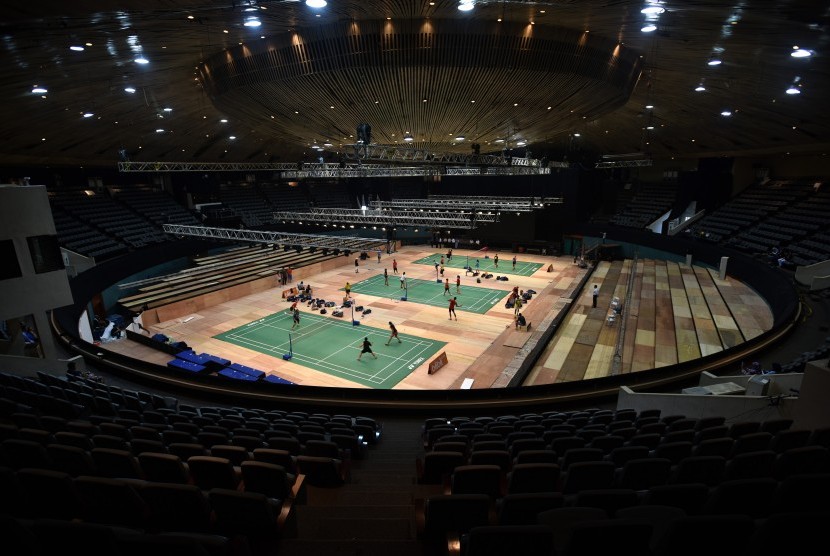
(453, 304)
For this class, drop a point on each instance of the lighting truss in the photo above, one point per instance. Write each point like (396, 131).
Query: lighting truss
(342, 243)
(624, 163)
(300, 170)
(399, 153)
(517, 204)
(203, 166)
(438, 219)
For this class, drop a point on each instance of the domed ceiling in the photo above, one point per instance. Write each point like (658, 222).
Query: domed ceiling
(274, 81)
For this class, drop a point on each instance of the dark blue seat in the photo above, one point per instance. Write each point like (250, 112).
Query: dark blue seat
(247, 370)
(183, 365)
(277, 380)
(237, 375)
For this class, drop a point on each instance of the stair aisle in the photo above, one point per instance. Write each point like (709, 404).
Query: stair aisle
(373, 513)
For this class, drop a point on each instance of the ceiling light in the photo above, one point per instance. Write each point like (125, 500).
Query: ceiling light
(800, 53)
(726, 113)
(168, 109)
(466, 5)
(649, 127)
(577, 135)
(88, 114)
(223, 120)
(76, 48)
(459, 137)
(252, 21)
(521, 144)
(714, 61)
(499, 141)
(700, 88)
(39, 90)
(160, 130)
(316, 3)
(142, 60)
(652, 10)
(648, 28)
(130, 90)
(408, 137)
(793, 90)
(649, 106)
(232, 137)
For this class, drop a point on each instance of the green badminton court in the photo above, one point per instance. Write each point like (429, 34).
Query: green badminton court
(331, 346)
(429, 292)
(523, 268)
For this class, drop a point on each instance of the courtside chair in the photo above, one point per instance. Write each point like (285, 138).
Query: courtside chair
(641, 474)
(445, 517)
(235, 454)
(185, 450)
(111, 502)
(283, 458)
(752, 497)
(608, 499)
(750, 465)
(522, 508)
(323, 471)
(622, 537)
(164, 468)
(176, 507)
(248, 514)
(436, 467)
(588, 475)
(533, 477)
(491, 540)
(49, 494)
(709, 470)
(478, 479)
(209, 472)
(71, 459)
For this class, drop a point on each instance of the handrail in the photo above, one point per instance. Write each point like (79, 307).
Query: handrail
(616, 365)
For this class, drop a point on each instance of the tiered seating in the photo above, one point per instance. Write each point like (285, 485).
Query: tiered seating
(330, 196)
(786, 215)
(156, 206)
(113, 218)
(157, 467)
(218, 272)
(76, 235)
(247, 200)
(650, 202)
(286, 198)
(604, 468)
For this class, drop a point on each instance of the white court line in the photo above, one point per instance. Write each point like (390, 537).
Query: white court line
(333, 367)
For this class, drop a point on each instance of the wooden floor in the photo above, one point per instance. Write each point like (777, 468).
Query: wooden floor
(676, 313)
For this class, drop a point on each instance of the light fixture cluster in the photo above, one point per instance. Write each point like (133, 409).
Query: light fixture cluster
(466, 5)
(651, 12)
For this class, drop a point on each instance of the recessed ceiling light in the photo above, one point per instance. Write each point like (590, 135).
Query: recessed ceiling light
(793, 90)
(232, 137)
(459, 137)
(317, 4)
(652, 10)
(252, 22)
(649, 106)
(499, 141)
(466, 5)
(726, 113)
(577, 135)
(713, 61)
(521, 144)
(142, 60)
(160, 130)
(700, 88)
(800, 53)
(223, 120)
(88, 114)
(39, 90)
(130, 90)
(168, 109)
(76, 48)
(648, 28)
(649, 127)
(190, 17)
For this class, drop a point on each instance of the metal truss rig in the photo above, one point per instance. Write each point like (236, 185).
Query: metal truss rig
(278, 238)
(624, 163)
(389, 218)
(302, 170)
(401, 153)
(475, 204)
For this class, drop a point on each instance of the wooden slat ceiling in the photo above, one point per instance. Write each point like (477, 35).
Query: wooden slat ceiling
(544, 73)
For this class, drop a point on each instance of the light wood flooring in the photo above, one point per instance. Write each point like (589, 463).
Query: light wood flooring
(676, 313)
